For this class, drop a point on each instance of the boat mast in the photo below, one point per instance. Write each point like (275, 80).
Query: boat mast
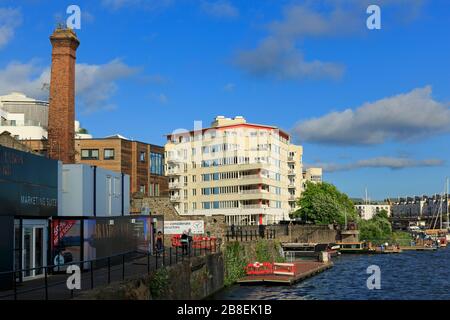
(446, 201)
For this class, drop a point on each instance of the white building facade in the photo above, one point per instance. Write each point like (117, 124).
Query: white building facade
(27, 118)
(367, 211)
(90, 191)
(250, 173)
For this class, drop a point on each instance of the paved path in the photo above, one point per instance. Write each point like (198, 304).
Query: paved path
(57, 287)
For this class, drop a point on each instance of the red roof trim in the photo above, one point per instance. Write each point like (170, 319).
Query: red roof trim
(247, 125)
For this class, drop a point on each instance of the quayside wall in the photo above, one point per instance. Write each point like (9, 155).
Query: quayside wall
(192, 279)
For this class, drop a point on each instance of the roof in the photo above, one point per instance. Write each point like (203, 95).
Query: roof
(252, 125)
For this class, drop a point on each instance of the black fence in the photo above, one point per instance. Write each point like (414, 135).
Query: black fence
(250, 235)
(52, 282)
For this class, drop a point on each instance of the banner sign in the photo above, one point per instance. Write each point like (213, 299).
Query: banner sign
(177, 227)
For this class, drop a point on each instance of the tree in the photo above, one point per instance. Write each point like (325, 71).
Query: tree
(377, 228)
(323, 203)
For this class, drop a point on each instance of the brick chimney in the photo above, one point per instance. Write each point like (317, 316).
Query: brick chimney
(61, 113)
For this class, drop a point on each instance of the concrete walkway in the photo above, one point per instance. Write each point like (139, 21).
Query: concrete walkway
(56, 283)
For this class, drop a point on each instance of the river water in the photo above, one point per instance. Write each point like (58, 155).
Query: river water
(408, 275)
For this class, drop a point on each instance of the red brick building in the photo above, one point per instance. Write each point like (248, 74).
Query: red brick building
(142, 161)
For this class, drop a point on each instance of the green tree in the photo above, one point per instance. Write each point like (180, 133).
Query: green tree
(377, 228)
(323, 203)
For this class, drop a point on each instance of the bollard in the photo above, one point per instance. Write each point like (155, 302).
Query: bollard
(92, 274)
(109, 270)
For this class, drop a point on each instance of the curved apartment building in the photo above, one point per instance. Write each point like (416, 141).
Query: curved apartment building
(250, 173)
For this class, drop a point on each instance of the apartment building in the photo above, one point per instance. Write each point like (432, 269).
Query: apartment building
(250, 173)
(142, 161)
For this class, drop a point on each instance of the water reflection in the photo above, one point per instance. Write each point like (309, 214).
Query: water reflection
(409, 275)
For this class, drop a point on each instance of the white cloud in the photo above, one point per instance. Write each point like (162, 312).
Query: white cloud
(220, 9)
(380, 162)
(144, 4)
(229, 87)
(10, 19)
(404, 117)
(163, 98)
(279, 55)
(94, 88)
(281, 60)
(96, 84)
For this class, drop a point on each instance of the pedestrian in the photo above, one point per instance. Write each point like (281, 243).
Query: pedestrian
(232, 230)
(184, 242)
(190, 239)
(159, 243)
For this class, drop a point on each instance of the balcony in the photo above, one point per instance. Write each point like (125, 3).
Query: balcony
(291, 158)
(174, 185)
(173, 171)
(254, 206)
(254, 191)
(292, 197)
(291, 184)
(175, 198)
(21, 123)
(251, 176)
(291, 172)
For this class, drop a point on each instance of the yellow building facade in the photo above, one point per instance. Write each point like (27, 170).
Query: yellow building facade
(250, 173)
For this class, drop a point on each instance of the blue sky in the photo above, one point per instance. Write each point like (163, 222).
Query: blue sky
(146, 68)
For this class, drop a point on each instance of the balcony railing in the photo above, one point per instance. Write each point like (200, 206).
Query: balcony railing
(175, 198)
(174, 185)
(254, 206)
(254, 191)
(20, 123)
(291, 158)
(174, 171)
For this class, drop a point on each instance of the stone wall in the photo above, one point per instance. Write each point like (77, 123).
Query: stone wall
(297, 233)
(192, 279)
(215, 225)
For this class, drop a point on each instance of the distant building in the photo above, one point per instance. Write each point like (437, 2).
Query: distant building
(251, 173)
(367, 211)
(27, 118)
(419, 207)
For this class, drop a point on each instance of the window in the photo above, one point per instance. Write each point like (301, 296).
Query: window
(89, 154)
(142, 189)
(156, 163)
(142, 156)
(108, 154)
(152, 190)
(156, 190)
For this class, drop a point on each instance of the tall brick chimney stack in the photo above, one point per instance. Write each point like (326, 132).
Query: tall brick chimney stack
(61, 114)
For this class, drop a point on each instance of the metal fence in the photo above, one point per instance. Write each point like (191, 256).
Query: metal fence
(250, 235)
(52, 282)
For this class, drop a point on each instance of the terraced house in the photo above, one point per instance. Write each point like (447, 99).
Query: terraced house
(250, 173)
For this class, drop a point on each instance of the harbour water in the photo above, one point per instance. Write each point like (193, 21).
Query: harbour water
(408, 275)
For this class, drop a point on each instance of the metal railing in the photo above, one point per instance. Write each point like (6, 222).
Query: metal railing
(98, 272)
(250, 235)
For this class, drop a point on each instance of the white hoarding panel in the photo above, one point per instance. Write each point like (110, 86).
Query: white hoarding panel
(177, 227)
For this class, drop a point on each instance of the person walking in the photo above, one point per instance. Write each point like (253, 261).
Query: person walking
(159, 243)
(184, 242)
(190, 239)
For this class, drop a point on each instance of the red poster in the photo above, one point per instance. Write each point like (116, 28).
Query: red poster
(60, 229)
